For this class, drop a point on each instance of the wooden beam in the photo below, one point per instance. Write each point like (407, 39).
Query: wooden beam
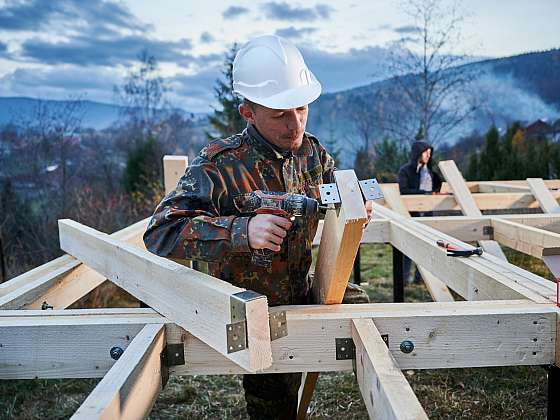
(464, 228)
(341, 235)
(497, 201)
(76, 343)
(476, 278)
(60, 282)
(196, 301)
(526, 239)
(340, 240)
(130, 388)
(500, 187)
(173, 169)
(467, 203)
(547, 201)
(438, 290)
(385, 391)
(67, 343)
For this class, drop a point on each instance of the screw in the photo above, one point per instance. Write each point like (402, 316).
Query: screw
(407, 346)
(116, 352)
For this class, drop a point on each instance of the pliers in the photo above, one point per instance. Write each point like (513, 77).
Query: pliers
(453, 251)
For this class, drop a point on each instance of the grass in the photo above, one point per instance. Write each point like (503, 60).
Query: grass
(483, 393)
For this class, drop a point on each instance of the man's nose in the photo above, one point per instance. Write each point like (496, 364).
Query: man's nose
(293, 121)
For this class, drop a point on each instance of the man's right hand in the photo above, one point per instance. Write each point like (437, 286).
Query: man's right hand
(267, 231)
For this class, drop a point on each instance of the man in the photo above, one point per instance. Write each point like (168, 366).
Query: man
(204, 218)
(418, 177)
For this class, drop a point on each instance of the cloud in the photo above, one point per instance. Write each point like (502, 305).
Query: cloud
(341, 71)
(233, 12)
(284, 11)
(294, 33)
(38, 14)
(114, 50)
(407, 29)
(3, 47)
(206, 38)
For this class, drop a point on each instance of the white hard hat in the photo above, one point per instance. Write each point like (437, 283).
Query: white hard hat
(270, 71)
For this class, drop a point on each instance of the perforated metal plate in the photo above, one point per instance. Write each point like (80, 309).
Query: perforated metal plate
(278, 325)
(329, 194)
(236, 337)
(370, 189)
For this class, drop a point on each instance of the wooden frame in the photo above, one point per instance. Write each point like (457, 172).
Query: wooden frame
(521, 328)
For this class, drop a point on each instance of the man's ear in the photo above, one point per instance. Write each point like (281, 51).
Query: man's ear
(247, 112)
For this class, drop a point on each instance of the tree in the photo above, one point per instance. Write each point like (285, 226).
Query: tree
(143, 97)
(227, 120)
(429, 94)
(389, 157)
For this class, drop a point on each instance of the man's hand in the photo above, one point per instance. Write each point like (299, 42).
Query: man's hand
(267, 231)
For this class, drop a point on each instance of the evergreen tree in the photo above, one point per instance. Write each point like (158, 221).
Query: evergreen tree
(490, 155)
(389, 157)
(143, 167)
(227, 120)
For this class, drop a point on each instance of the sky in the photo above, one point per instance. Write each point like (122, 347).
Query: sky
(63, 48)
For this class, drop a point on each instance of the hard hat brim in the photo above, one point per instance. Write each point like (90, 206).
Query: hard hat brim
(292, 98)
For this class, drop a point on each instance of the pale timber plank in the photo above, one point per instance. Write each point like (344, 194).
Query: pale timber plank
(63, 281)
(173, 169)
(341, 235)
(527, 239)
(130, 388)
(340, 240)
(198, 302)
(547, 201)
(476, 278)
(496, 201)
(500, 187)
(385, 391)
(445, 335)
(467, 203)
(438, 290)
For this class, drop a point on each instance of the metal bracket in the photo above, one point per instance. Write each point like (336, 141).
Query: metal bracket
(236, 334)
(237, 304)
(172, 355)
(488, 230)
(329, 194)
(345, 348)
(278, 325)
(371, 189)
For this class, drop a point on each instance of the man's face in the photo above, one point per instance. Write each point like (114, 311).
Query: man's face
(284, 128)
(425, 156)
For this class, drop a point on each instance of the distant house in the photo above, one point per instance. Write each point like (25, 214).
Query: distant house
(538, 128)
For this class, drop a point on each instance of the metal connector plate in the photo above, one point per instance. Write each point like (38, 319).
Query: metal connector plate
(278, 325)
(329, 194)
(345, 348)
(371, 189)
(236, 336)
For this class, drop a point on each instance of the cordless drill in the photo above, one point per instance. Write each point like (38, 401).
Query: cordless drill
(280, 204)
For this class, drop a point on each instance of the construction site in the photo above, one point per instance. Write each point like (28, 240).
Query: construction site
(498, 315)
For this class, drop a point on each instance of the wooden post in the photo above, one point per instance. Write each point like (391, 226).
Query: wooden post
(340, 241)
(173, 169)
(398, 276)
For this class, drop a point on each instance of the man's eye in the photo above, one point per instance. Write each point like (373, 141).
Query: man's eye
(278, 116)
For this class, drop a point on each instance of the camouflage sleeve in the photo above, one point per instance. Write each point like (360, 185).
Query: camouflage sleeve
(328, 167)
(188, 223)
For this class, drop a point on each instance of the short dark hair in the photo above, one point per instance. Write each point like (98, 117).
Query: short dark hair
(249, 103)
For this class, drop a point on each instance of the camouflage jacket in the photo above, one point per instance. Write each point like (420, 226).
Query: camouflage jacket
(202, 220)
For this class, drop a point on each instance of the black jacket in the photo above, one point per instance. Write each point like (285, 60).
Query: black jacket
(409, 175)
